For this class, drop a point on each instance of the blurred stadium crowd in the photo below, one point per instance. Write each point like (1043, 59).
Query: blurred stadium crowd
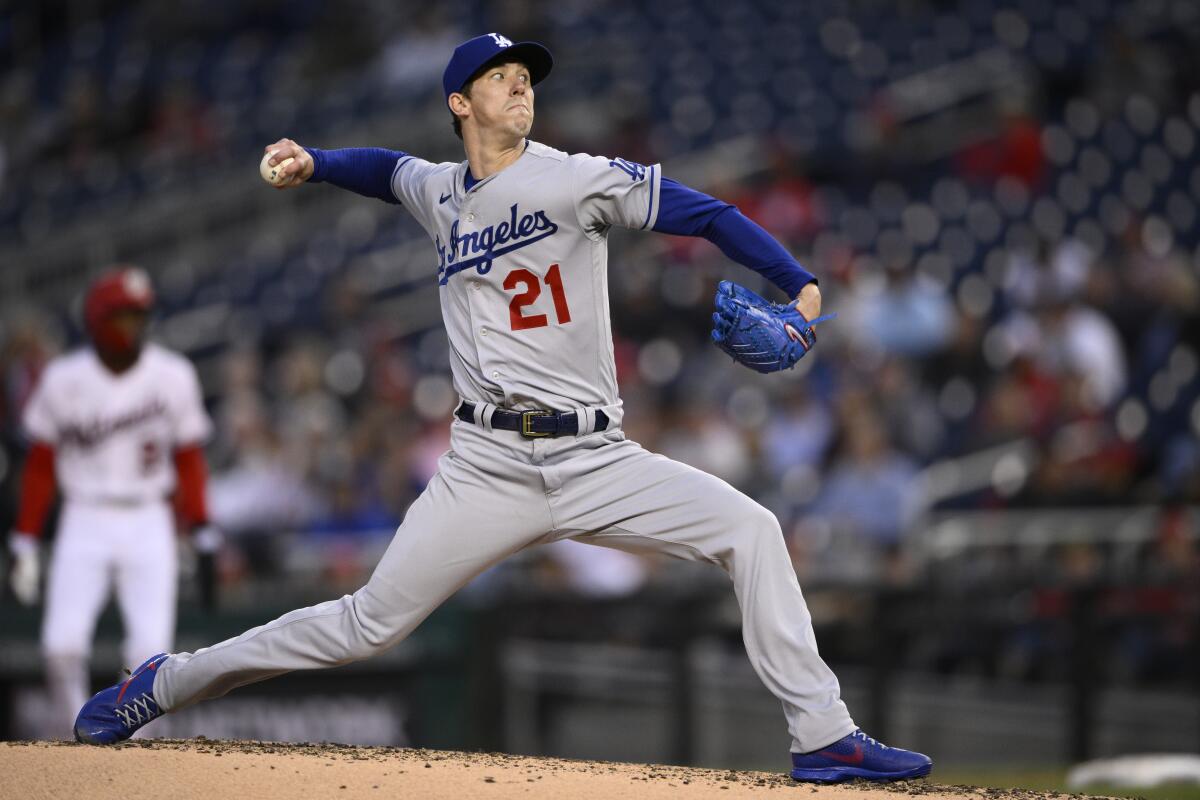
(1000, 198)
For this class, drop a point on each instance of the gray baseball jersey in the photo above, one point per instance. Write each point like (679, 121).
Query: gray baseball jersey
(522, 267)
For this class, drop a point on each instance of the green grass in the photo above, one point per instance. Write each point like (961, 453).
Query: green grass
(1051, 780)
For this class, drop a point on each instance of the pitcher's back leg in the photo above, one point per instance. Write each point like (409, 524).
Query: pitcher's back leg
(465, 521)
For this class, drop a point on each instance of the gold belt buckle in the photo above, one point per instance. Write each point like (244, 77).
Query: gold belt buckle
(527, 423)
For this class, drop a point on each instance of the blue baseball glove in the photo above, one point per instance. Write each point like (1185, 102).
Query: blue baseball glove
(764, 336)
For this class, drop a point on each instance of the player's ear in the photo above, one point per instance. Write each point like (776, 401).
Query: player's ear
(460, 104)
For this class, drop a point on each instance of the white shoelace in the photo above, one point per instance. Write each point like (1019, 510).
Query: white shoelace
(137, 711)
(859, 734)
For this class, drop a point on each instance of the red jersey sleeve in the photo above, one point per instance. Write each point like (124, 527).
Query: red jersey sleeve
(37, 489)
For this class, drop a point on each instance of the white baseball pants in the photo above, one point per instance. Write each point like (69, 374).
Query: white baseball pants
(99, 547)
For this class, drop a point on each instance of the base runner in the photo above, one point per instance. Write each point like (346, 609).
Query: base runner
(118, 427)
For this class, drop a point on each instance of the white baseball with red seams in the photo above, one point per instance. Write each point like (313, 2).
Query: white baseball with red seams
(272, 175)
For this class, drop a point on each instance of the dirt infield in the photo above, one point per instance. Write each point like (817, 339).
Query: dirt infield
(200, 768)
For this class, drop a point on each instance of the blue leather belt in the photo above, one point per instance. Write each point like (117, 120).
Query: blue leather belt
(534, 424)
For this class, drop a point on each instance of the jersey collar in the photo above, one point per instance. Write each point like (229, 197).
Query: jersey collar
(470, 181)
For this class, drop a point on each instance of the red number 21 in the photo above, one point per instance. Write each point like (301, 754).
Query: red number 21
(532, 289)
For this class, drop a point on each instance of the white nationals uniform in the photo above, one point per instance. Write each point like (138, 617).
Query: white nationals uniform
(113, 437)
(522, 266)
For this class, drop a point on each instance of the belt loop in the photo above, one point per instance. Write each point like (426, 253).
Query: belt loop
(585, 420)
(483, 415)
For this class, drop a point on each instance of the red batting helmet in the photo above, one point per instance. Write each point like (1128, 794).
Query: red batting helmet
(122, 289)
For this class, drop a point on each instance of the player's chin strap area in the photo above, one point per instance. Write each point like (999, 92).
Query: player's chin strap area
(535, 424)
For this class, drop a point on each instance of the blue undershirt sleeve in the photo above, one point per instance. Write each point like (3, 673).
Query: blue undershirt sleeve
(683, 211)
(364, 170)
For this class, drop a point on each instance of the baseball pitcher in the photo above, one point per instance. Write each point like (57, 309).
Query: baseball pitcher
(118, 427)
(520, 231)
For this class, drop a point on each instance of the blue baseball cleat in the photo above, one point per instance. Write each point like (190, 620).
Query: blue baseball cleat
(859, 756)
(115, 713)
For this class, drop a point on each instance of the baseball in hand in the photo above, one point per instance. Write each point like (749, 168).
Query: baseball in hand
(272, 175)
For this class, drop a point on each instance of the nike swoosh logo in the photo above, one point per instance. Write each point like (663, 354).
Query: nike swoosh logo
(854, 758)
(796, 336)
(443, 199)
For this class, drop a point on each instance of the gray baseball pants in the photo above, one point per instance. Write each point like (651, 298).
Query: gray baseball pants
(496, 493)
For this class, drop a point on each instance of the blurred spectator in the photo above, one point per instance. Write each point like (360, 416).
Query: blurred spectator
(593, 571)
(181, 124)
(910, 410)
(414, 56)
(311, 421)
(261, 490)
(871, 488)
(26, 345)
(1179, 468)
(702, 437)
(1081, 342)
(1084, 462)
(1022, 401)
(27, 342)
(798, 433)
(1015, 152)
(909, 316)
(787, 205)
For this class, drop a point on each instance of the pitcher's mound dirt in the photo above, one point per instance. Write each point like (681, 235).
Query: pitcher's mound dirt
(220, 770)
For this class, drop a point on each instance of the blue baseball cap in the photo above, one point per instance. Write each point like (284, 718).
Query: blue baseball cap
(474, 53)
